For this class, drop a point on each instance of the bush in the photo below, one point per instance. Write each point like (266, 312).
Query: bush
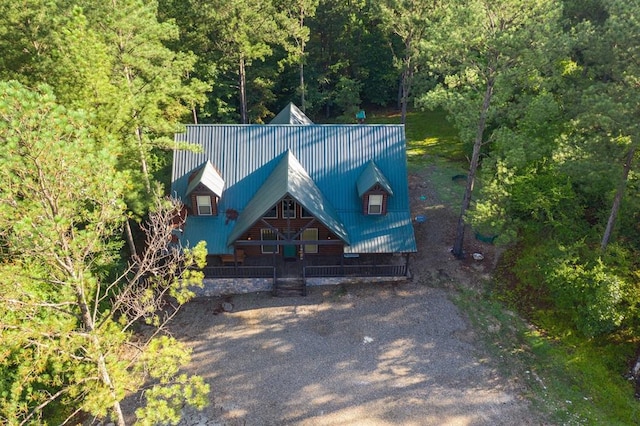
(590, 293)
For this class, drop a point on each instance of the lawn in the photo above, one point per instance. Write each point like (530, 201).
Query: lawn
(429, 134)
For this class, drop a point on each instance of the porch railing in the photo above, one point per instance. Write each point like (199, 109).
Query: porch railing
(239, 272)
(355, 271)
(309, 271)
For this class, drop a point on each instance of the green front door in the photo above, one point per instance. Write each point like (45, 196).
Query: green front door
(289, 251)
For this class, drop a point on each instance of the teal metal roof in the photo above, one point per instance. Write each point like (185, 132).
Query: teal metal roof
(332, 156)
(371, 176)
(291, 114)
(209, 177)
(289, 178)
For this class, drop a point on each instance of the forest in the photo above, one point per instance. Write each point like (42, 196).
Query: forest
(543, 95)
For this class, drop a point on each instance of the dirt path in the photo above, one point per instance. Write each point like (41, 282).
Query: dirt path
(375, 354)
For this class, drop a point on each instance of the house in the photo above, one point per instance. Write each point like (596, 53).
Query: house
(292, 199)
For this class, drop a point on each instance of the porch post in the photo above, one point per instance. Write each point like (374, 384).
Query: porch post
(406, 264)
(235, 258)
(304, 263)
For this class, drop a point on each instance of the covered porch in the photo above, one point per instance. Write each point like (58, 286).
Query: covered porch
(266, 266)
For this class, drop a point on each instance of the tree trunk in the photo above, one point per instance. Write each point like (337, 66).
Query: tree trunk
(302, 106)
(407, 76)
(243, 93)
(138, 130)
(302, 45)
(143, 160)
(89, 325)
(473, 167)
(195, 115)
(617, 199)
(403, 101)
(130, 240)
(106, 379)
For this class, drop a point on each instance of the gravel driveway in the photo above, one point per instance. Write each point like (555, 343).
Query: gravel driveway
(355, 355)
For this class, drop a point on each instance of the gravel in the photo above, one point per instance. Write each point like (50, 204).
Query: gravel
(376, 354)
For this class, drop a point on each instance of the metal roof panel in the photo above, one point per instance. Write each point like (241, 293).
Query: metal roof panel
(333, 157)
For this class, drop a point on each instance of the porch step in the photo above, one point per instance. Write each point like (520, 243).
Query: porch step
(289, 288)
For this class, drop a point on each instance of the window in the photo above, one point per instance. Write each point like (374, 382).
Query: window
(310, 234)
(288, 209)
(305, 213)
(273, 213)
(204, 205)
(375, 204)
(269, 235)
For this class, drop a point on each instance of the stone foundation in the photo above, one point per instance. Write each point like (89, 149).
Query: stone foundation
(228, 286)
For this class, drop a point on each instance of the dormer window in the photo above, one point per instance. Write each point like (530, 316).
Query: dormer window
(204, 205)
(374, 190)
(204, 190)
(375, 204)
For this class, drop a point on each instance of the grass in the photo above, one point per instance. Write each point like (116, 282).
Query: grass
(428, 134)
(571, 380)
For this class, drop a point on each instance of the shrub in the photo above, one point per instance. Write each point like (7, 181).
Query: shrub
(590, 293)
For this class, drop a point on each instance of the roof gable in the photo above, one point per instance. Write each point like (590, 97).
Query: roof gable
(291, 114)
(371, 176)
(209, 177)
(288, 178)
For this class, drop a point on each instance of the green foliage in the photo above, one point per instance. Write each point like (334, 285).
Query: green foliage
(590, 293)
(110, 60)
(563, 287)
(165, 402)
(347, 99)
(67, 307)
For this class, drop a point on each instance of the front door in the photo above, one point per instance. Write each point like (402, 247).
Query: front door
(289, 252)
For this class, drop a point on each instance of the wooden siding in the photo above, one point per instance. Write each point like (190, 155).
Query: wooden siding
(293, 226)
(202, 190)
(376, 190)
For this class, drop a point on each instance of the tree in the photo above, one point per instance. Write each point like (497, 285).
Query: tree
(295, 12)
(229, 36)
(111, 60)
(619, 39)
(347, 44)
(482, 44)
(410, 21)
(68, 307)
(153, 90)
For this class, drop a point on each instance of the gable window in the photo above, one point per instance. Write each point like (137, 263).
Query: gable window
(375, 204)
(269, 235)
(288, 209)
(305, 213)
(273, 213)
(204, 205)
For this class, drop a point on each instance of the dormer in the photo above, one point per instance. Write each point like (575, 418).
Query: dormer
(374, 190)
(204, 190)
